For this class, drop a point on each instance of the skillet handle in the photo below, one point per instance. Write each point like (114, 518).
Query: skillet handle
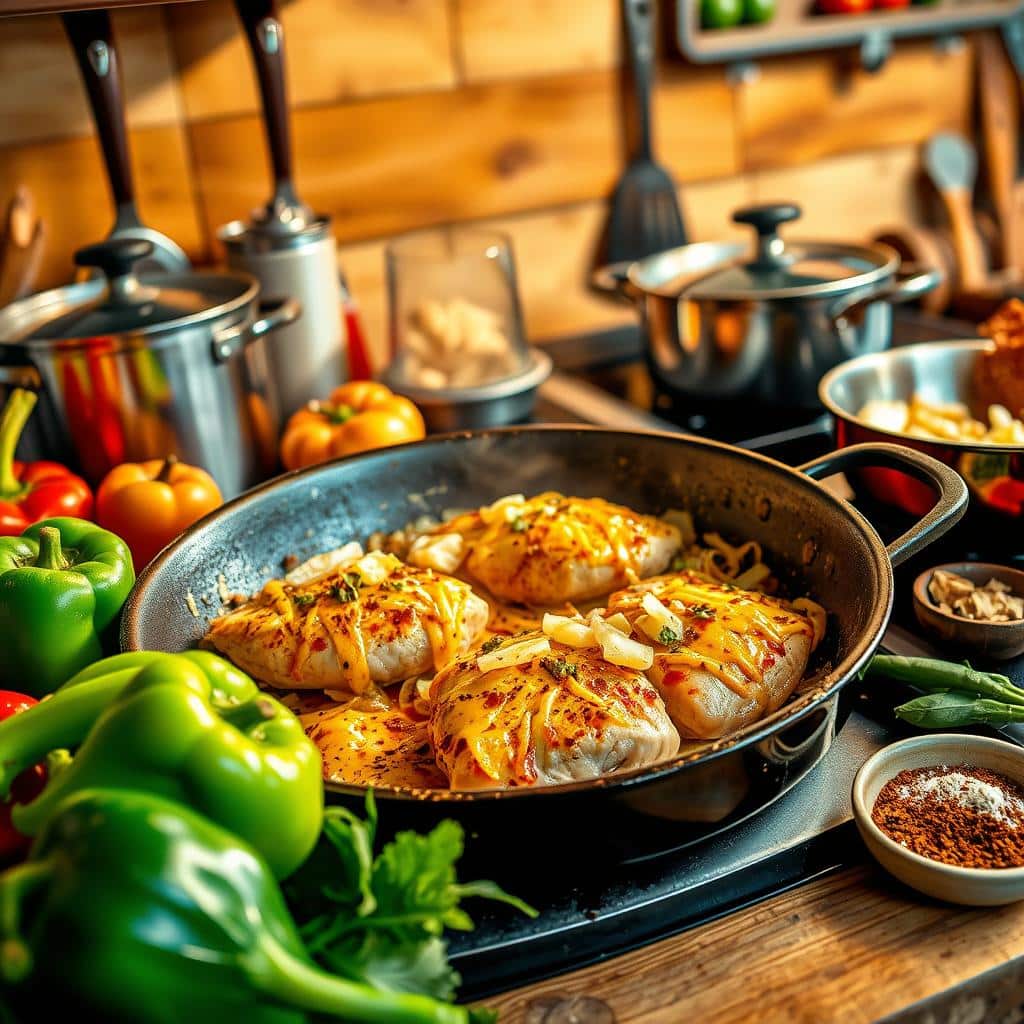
(951, 490)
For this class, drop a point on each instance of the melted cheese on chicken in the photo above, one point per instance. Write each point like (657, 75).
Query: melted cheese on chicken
(373, 745)
(550, 549)
(741, 653)
(559, 718)
(348, 632)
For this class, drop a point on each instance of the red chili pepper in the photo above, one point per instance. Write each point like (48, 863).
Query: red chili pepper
(30, 491)
(26, 786)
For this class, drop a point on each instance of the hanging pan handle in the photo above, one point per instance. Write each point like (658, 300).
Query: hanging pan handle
(92, 37)
(946, 482)
(274, 313)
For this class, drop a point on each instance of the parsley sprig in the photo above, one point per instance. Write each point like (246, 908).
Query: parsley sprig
(379, 918)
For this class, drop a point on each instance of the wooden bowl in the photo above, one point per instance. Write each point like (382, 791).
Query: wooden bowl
(997, 640)
(970, 886)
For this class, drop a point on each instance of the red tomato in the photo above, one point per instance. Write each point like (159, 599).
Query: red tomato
(890, 5)
(844, 6)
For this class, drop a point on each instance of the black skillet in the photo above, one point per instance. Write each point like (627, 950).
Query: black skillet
(816, 542)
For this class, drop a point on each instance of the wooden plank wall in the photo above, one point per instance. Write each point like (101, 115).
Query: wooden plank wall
(409, 113)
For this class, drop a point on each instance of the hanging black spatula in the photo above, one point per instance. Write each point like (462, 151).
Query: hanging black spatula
(645, 215)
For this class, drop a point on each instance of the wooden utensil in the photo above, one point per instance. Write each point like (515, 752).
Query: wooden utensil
(21, 247)
(952, 165)
(645, 216)
(999, 108)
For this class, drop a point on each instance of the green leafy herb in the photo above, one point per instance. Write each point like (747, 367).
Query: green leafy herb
(678, 564)
(395, 584)
(702, 611)
(519, 525)
(385, 916)
(303, 600)
(668, 636)
(491, 645)
(559, 667)
(348, 589)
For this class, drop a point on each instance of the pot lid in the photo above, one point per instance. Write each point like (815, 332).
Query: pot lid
(781, 271)
(130, 304)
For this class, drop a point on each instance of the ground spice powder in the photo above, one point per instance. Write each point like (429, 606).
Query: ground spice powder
(970, 817)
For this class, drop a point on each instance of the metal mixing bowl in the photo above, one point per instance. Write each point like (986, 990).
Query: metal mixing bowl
(938, 371)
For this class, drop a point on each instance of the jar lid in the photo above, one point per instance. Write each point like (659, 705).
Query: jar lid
(130, 304)
(788, 271)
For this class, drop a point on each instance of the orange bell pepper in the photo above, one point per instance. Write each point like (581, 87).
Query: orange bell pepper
(147, 504)
(358, 416)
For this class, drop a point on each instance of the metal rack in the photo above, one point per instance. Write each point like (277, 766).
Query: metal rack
(796, 28)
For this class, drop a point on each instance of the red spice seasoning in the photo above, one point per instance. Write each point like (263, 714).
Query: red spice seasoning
(969, 817)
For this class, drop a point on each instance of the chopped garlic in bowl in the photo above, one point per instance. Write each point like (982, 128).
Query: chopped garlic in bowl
(456, 344)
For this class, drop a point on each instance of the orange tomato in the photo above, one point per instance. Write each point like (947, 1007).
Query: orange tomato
(357, 417)
(147, 504)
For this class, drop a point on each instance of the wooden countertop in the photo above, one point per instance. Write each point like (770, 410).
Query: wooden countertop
(853, 947)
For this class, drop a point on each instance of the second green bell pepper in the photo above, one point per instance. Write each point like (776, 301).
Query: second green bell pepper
(135, 910)
(62, 583)
(190, 727)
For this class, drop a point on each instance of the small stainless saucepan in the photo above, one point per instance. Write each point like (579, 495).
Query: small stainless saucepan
(722, 323)
(141, 367)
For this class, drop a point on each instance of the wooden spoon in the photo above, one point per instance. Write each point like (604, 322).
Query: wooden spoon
(952, 165)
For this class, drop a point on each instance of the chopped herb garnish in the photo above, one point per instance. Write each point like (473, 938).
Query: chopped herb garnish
(395, 584)
(678, 564)
(492, 645)
(688, 637)
(348, 589)
(667, 635)
(702, 611)
(303, 600)
(559, 667)
(519, 525)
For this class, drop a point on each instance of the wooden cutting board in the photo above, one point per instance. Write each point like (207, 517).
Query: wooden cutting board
(854, 947)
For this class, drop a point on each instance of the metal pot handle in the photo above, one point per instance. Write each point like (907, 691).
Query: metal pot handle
(910, 282)
(951, 490)
(613, 279)
(21, 377)
(274, 313)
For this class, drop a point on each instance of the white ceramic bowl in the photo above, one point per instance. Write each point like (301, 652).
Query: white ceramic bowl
(971, 886)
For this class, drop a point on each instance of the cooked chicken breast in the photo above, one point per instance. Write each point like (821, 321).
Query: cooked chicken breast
(562, 716)
(370, 621)
(739, 656)
(373, 745)
(550, 549)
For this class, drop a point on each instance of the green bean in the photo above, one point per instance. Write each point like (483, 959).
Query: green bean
(955, 710)
(936, 676)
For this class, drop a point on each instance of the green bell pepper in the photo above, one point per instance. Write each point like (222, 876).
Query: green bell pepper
(62, 583)
(190, 727)
(134, 909)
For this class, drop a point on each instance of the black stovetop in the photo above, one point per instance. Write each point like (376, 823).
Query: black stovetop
(605, 906)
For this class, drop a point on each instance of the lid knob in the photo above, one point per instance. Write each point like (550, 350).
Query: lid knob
(765, 220)
(115, 257)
